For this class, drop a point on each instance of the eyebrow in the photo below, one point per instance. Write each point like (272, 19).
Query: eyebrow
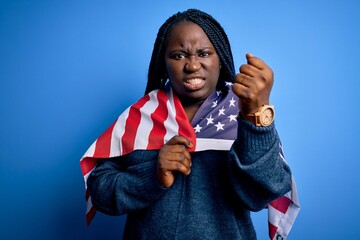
(181, 49)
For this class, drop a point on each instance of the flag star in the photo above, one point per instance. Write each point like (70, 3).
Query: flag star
(221, 111)
(232, 102)
(214, 104)
(210, 120)
(197, 128)
(228, 84)
(218, 92)
(232, 117)
(219, 126)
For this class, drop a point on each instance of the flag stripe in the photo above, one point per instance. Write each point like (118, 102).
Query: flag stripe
(90, 214)
(185, 128)
(170, 124)
(102, 147)
(118, 131)
(88, 164)
(145, 125)
(203, 144)
(272, 230)
(131, 126)
(281, 204)
(158, 117)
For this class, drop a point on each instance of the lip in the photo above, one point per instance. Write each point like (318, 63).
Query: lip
(194, 83)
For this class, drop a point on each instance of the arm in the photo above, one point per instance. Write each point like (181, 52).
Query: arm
(123, 184)
(256, 170)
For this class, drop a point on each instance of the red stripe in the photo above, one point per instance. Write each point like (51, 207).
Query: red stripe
(87, 164)
(103, 143)
(158, 117)
(131, 125)
(281, 204)
(102, 150)
(272, 230)
(185, 128)
(90, 215)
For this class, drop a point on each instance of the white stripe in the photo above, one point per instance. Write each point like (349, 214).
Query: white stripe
(284, 222)
(170, 124)
(294, 196)
(274, 215)
(88, 205)
(86, 176)
(203, 144)
(90, 151)
(117, 133)
(146, 124)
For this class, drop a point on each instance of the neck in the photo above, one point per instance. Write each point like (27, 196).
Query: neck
(191, 109)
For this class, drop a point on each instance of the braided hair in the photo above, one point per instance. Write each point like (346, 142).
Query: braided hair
(157, 75)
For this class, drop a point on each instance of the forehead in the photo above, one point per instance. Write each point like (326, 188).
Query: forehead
(186, 32)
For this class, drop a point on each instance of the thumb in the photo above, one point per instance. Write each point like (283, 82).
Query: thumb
(249, 55)
(180, 140)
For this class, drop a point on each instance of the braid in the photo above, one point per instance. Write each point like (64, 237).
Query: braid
(157, 75)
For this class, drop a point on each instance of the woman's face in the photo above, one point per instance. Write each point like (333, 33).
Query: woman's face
(192, 64)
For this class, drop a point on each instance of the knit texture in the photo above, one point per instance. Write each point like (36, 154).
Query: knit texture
(213, 202)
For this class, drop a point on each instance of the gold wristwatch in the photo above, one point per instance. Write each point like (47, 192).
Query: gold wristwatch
(263, 117)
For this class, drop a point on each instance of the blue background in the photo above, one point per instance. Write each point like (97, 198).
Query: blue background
(68, 68)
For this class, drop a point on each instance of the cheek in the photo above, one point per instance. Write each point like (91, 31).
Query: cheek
(216, 68)
(173, 70)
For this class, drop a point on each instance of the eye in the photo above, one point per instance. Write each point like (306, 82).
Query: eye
(178, 56)
(204, 54)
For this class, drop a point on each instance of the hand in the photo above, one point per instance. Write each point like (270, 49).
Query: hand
(173, 157)
(253, 84)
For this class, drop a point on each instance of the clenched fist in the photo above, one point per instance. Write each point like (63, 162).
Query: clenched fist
(173, 158)
(253, 84)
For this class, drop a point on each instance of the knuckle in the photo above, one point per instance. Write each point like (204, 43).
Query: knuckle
(242, 67)
(251, 96)
(183, 148)
(179, 166)
(182, 157)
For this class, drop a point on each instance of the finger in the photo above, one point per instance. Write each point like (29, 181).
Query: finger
(171, 166)
(248, 70)
(244, 80)
(179, 167)
(249, 55)
(175, 153)
(244, 93)
(239, 89)
(178, 153)
(180, 140)
(255, 61)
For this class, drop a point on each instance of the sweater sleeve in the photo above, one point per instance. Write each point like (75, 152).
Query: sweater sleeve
(256, 170)
(124, 184)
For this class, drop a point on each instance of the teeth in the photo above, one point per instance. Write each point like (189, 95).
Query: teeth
(195, 81)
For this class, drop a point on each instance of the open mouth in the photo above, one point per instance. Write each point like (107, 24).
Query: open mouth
(194, 84)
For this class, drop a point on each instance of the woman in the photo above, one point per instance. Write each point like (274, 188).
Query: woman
(190, 167)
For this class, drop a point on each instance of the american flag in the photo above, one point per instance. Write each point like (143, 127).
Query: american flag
(157, 117)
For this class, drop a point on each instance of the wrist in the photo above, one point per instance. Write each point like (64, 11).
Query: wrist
(263, 117)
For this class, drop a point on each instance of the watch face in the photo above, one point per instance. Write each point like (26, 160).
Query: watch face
(267, 117)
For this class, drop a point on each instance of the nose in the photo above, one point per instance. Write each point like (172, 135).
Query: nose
(193, 64)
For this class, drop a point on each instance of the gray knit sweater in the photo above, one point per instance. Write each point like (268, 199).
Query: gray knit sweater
(213, 202)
